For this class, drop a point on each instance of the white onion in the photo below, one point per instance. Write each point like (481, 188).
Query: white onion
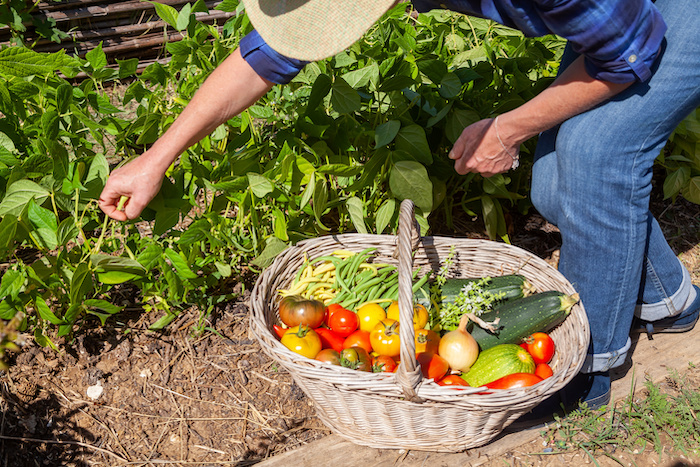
(459, 348)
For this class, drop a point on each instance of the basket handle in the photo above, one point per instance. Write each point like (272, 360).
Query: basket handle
(408, 375)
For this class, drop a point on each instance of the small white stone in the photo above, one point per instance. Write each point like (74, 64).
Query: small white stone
(94, 392)
(145, 373)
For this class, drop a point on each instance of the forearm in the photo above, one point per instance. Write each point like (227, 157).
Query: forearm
(572, 93)
(231, 88)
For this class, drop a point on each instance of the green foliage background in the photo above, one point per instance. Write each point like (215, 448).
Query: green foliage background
(334, 151)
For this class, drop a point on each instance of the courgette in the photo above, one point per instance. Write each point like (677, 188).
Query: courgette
(497, 362)
(507, 287)
(521, 317)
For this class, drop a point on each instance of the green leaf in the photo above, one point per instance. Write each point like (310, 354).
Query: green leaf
(11, 284)
(80, 284)
(344, 98)
(320, 89)
(363, 76)
(49, 124)
(64, 97)
(103, 305)
(494, 220)
(397, 83)
(356, 213)
(127, 67)
(45, 312)
(384, 214)
(183, 17)
(150, 255)
(8, 228)
(339, 170)
(45, 225)
(439, 116)
(22, 62)
(102, 262)
(386, 132)
(166, 13)
(409, 180)
(223, 269)
(67, 231)
(116, 277)
(308, 192)
(673, 183)
(412, 140)
(96, 177)
(273, 247)
(165, 219)
(320, 199)
(692, 191)
(259, 185)
(279, 225)
(19, 194)
(450, 86)
(96, 57)
(457, 121)
(180, 265)
(43, 341)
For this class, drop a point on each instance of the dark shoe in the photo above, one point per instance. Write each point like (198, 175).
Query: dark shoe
(591, 389)
(683, 322)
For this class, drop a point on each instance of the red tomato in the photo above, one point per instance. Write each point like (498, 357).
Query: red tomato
(328, 356)
(330, 340)
(385, 338)
(515, 380)
(358, 338)
(330, 309)
(432, 365)
(540, 345)
(543, 370)
(452, 380)
(383, 363)
(343, 322)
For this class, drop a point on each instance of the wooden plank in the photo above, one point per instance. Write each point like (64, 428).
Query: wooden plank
(650, 359)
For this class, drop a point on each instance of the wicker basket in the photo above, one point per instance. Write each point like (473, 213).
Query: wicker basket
(403, 410)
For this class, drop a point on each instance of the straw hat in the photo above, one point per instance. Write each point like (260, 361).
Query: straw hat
(313, 29)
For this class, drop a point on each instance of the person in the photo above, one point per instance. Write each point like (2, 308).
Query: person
(630, 74)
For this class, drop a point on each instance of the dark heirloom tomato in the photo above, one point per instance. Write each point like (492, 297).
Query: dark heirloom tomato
(329, 356)
(355, 358)
(383, 363)
(295, 310)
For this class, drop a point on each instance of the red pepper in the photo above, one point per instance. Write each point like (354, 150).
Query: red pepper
(279, 330)
(330, 340)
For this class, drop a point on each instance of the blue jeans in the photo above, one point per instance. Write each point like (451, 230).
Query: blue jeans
(592, 178)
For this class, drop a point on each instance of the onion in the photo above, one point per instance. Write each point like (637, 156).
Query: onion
(458, 347)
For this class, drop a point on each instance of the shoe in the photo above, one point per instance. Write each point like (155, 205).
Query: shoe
(683, 322)
(589, 389)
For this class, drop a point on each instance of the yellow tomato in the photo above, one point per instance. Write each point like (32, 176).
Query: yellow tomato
(385, 338)
(369, 315)
(420, 314)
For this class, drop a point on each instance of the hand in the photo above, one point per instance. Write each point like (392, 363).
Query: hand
(139, 180)
(478, 150)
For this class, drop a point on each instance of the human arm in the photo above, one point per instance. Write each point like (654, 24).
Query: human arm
(573, 92)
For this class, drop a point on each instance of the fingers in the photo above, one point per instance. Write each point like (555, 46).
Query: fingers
(477, 150)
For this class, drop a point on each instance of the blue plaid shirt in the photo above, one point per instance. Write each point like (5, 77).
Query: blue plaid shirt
(619, 39)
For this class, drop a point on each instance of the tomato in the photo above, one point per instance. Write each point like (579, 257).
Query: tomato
(329, 356)
(385, 338)
(420, 314)
(383, 363)
(427, 341)
(329, 339)
(432, 365)
(343, 322)
(358, 338)
(302, 340)
(540, 345)
(330, 309)
(279, 330)
(355, 358)
(452, 380)
(514, 380)
(369, 315)
(295, 310)
(543, 370)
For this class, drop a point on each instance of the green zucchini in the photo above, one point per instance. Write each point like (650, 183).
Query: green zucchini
(508, 287)
(497, 362)
(521, 317)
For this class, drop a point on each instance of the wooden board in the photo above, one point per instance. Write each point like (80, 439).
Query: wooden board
(652, 359)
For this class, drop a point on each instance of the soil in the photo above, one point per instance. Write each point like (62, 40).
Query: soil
(178, 398)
